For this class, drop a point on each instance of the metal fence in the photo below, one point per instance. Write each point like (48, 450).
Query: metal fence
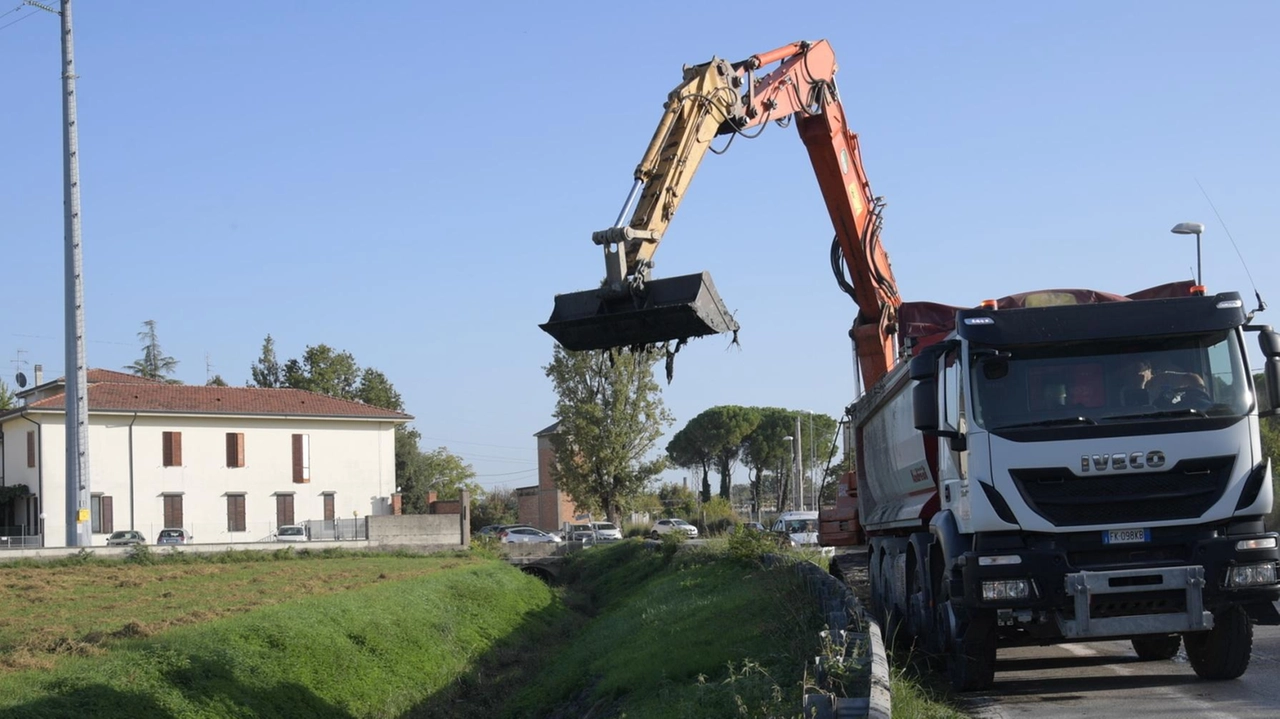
(17, 538)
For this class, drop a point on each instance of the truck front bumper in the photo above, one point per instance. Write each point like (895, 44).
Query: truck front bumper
(1075, 586)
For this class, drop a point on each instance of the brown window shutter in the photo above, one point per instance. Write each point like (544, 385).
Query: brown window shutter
(328, 507)
(108, 516)
(172, 449)
(284, 509)
(298, 462)
(235, 449)
(235, 513)
(173, 511)
(31, 448)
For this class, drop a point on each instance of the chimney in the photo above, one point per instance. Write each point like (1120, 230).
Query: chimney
(39, 375)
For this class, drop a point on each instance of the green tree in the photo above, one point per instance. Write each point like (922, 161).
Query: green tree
(678, 501)
(266, 371)
(767, 451)
(438, 471)
(7, 398)
(495, 506)
(216, 381)
(727, 427)
(611, 416)
(154, 363)
(688, 449)
(325, 371)
(376, 390)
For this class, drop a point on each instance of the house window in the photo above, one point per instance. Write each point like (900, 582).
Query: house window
(301, 458)
(284, 509)
(31, 448)
(172, 510)
(172, 450)
(235, 449)
(235, 512)
(101, 515)
(328, 506)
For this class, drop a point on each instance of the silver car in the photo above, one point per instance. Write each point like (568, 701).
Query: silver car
(521, 535)
(126, 538)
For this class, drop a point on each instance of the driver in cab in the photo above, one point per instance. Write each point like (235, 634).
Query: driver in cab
(1167, 385)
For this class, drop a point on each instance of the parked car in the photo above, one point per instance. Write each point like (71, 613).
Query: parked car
(574, 532)
(800, 529)
(292, 533)
(524, 535)
(491, 530)
(664, 526)
(175, 536)
(747, 527)
(126, 538)
(606, 531)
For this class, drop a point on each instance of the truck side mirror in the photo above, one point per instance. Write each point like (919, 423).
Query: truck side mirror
(924, 396)
(1269, 342)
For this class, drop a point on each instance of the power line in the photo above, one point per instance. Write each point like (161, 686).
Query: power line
(477, 444)
(15, 22)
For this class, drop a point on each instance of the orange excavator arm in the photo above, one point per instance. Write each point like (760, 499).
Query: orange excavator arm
(803, 86)
(719, 98)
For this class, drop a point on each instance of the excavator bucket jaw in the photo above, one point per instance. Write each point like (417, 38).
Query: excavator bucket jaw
(673, 308)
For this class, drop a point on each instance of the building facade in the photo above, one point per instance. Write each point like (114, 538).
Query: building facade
(229, 464)
(545, 506)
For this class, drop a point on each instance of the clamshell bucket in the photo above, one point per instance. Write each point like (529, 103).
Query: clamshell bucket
(673, 308)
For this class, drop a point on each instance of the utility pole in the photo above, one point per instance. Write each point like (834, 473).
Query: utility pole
(79, 528)
(797, 451)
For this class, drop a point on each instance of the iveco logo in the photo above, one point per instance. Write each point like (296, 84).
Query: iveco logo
(1134, 460)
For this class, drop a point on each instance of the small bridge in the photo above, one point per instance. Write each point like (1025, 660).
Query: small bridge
(544, 561)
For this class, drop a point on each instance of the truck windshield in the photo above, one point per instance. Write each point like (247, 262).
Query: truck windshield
(1104, 383)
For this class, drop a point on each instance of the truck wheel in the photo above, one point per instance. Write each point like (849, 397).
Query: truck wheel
(1157, 648)
(1222, 652)
(972, 662)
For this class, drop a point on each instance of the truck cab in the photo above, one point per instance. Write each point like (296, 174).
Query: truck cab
(1097, 473)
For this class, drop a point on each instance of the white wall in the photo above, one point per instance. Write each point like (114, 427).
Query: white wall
(354, 459)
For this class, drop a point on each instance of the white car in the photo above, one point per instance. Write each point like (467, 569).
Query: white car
(801, 530)
(521, 535)
(664, 526)
(606, 531)
(291, 533)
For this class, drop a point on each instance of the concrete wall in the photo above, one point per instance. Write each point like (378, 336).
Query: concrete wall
(352, 460)
(420, 529)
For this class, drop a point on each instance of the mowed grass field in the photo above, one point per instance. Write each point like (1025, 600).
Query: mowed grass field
(76, 608)
(276, 636)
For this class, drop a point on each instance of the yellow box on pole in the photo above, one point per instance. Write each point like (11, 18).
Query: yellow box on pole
(82, 515)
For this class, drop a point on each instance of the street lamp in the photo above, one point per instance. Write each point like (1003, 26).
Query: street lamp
(1192, 228)
(42, 529)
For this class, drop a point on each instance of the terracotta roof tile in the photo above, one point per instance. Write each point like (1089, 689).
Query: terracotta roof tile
(152, 396)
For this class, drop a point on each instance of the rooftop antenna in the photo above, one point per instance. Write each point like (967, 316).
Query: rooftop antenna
(208, 368)
(1262, 306)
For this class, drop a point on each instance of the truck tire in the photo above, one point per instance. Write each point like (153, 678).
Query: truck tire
(1157, 648)
(971, 659)
(1222, 652)
(972, 662)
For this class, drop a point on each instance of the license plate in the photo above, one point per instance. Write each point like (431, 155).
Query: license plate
(1126, 536)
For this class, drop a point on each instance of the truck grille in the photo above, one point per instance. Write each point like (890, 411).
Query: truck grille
(1185, 491)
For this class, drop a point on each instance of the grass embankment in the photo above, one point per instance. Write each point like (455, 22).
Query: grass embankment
(364, 636)
(690, 634)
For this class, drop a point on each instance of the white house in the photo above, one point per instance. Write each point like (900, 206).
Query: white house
(225, 463)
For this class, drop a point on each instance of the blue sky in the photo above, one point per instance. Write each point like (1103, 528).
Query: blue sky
(413, 182)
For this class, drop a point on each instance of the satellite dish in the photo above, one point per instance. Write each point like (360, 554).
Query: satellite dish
(22, 380)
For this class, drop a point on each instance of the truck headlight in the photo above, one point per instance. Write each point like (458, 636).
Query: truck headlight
(1252, 575)
(1001, 589)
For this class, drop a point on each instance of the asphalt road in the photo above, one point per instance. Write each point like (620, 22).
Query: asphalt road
(1105, 679)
